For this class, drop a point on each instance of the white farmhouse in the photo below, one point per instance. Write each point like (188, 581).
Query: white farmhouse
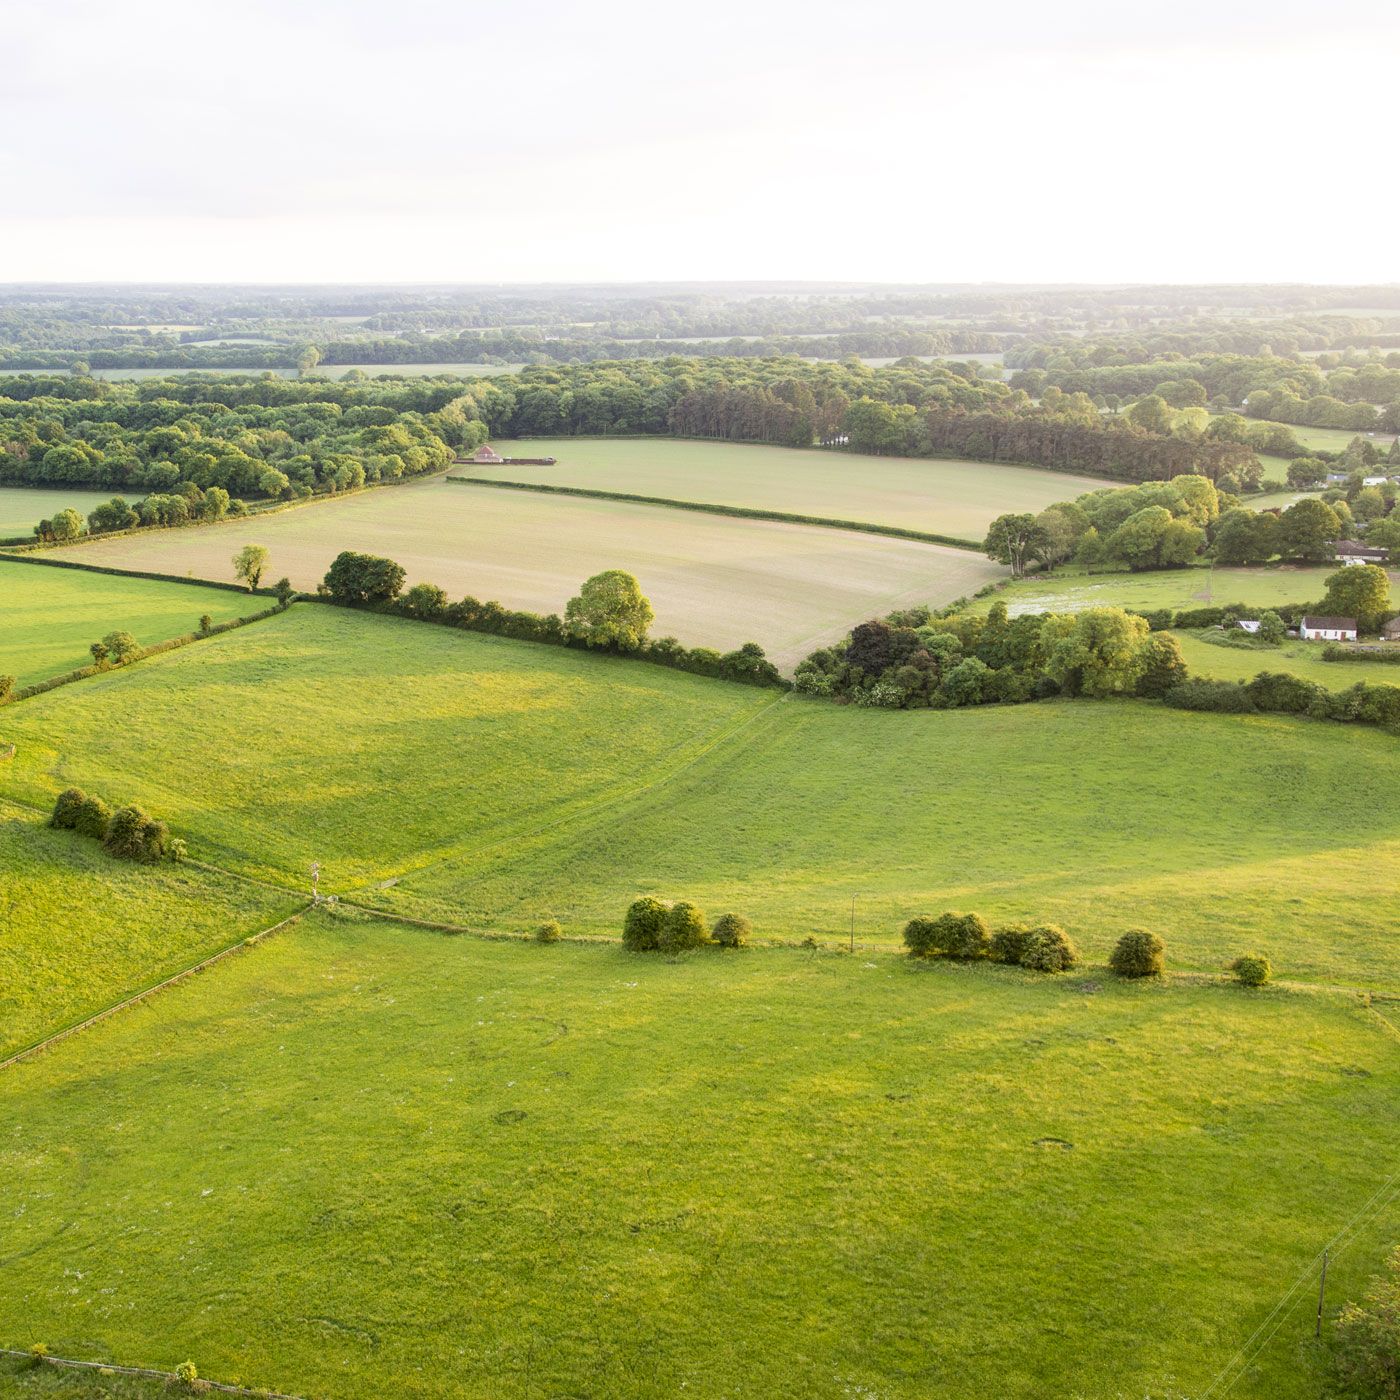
(1328, 629)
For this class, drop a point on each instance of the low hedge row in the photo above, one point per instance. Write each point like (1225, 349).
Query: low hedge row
(1282, 694)
(1165, 619)
(715, 508)
(155, 649)
(1379, 655)
(32, 558)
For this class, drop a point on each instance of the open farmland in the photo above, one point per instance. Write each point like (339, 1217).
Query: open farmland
(508, 782)
(939, 497)
(714, 581)
(1330, 439)
(49, 617)
(90, 930)
(23, 507)
(1071, 589)
(1221, 660)
(845, 1142)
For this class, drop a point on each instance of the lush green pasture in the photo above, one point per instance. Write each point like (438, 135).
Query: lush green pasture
(1221, 661)
(500, 782)
(21, 1379)
(50, 617)
(80, 930)
(368, 743)
(23, 507)
(365, 1160)
(1071, 589)
(940, 497)
(714, 581)
(1330, 439)
(1222, 833)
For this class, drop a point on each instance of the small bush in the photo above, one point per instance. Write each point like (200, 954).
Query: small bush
(964, 936)
(683, 928)
(549, 932)
(132, 835)
(1252, 969)
(7, 685)
(1138, 954)
(186, 1374)
(66, 808)
(731, 931)
(92, 818)
(1212, 697)
(1049, 949)
(205, 623)
(1008, 944)
(641, 930)
(38, 1353)
(920, 937)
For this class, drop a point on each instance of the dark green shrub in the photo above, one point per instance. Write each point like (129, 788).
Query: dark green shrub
(920, 937)
(731, 931)
(1008, 944)
(1366, 1343)
(92, 818)
(641, 930)
(363, 578)
(284, 592)
(132, 835)
(963, 936)
(7, 685)
(1138, 954)
(121, 647)
(1049, 949)
(1283, 693)
(1215, 697)
(66, 808)
(549, 932)
(1252, 969)
(205, 623)
(683, 928)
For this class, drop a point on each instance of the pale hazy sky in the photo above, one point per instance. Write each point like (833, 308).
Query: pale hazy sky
(532, 140)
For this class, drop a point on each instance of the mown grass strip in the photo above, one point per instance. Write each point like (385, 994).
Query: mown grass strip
(738, 512)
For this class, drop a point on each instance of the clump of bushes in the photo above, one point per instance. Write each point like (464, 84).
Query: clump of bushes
(963, 936)
(549, 932)
(1365, 1354)
(1041, 948)
(1252, 969)
(1138, 954)
(683, 928)
(7, 685)
(731, 931)
(127, 833)
(641, 929)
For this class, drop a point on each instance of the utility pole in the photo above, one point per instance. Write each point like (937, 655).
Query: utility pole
(1321, 1293)
(315, 881)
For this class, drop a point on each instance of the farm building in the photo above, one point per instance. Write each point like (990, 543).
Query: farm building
(1248, 624)
(1355, 552)
(1391, 631)
(1328, 629)
(486, 456)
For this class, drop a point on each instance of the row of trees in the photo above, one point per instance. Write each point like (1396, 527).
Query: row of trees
(127, 833)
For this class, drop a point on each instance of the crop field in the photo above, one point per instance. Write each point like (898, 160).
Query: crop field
(940, 497)
(714, 581)
(507, 783)
(49, 617)
(89, 930)
(1071, 589)
(509, 1170)
(23, 507)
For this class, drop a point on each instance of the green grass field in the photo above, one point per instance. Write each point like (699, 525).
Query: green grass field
(940, 497)
(364, 1160)
(498, 783)
(50, 617)
(1330, 439)
(23, 507)
(1070, 589)
(1205, 657)
(714, 581)
(80, 930)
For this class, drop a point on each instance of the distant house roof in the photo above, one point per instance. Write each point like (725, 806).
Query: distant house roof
(1391, 628)
(1330, 624)
(486, 453)
(1360, 549)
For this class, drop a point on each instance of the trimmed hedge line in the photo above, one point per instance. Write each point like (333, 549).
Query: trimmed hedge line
(1333, 652)
(741, 512)
(155, 649)
(29, 558)
(1280, 693)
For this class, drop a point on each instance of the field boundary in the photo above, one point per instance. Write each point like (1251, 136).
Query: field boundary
(149, 1373)
(247, 941)
(737, 512)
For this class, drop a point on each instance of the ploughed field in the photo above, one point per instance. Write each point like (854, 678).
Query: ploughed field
(363, 1159)
(50, 617)
(492, 784)
(955, 498)
(713, 580)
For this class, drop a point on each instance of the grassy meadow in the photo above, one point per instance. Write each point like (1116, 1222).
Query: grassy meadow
(50, 617)
(714, 581)
(365, 1158)
(1207, 654)
(940, 497)
(80, 930)
(1329, 439)
(23, 507)
(492, 783)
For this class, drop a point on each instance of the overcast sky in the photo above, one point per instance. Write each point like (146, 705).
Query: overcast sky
(538, 140)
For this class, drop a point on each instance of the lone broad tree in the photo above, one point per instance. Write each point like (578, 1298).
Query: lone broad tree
(249, 563)
(610, 611)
